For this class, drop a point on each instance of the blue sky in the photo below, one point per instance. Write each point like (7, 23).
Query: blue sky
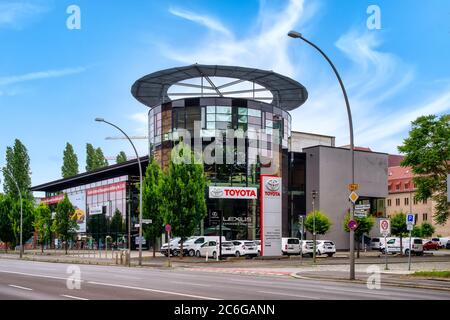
(55, 81)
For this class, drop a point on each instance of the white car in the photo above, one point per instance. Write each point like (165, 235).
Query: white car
(245, 248)
(165, 247)
(307, 247)
(290, 246)
(258, 246)
(325, 247)
(211, 249)
(393, 246)
(191, 246)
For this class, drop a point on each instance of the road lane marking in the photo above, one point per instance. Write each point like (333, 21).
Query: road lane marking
(36, 275)
(152, 290)
(289, 295)
(190, 283)
(73, 297)
(19, 287)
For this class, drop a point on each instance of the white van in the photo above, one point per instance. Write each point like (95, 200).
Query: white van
(393, 246)
(191, 246)
(290, 246)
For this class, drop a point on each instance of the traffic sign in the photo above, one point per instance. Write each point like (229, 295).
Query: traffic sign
(385, 227)
(168, 227)
(353, 196)
(353, 186)
(352, 225)
(410, 219)
(360, 213)
(147, 221)
(362, 206)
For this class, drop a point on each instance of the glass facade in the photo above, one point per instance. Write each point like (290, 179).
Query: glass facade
(266, 130)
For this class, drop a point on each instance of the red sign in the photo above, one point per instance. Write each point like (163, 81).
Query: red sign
(52, 200)
(232, 193)
(119, 186)
(168, 227)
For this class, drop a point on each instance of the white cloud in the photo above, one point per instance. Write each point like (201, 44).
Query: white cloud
(206, 21)
(15, 13)
(141, 117)
(40, 75)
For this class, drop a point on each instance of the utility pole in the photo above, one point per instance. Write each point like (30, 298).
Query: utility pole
(314, 193)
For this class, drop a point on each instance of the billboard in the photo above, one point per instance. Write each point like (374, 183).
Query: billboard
(270, 210)
(78, 200)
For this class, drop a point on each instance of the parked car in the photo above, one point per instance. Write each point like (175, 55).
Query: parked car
(438, 241)
(211, 249)
(290, 246)
(447, 246)
(444, 241)
(307, 247)
(430, 245)
(325, 247)
(377, 243)
(258, 246)
(245, 248)
(393, 246)
(165, 247)
(191, 246)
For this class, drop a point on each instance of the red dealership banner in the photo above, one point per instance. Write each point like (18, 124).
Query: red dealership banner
(52, 200)
(119, 186)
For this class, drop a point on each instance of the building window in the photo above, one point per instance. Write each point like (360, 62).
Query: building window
(406, 201)
(389, 202)
(415, 201)
(416, 217)
(425, 201)
(397, 187)
(406, 186)
(397, 202)
(425, 217)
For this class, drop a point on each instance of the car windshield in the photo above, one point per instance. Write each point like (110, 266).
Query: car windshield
(375, 240)
(227, 244)
(293, 241)
(329, 243)
(391, 241)
(417, 241)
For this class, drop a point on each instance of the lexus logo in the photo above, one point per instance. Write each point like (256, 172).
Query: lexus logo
(217, 193)
(273, 184)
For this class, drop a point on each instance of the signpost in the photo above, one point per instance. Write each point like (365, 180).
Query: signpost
(168, 228)
(352, 225)
(147, 221)
(410, 220)
(353, 186)
(385, 230)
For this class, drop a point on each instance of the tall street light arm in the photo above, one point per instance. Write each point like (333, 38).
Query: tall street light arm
(6, 171)
(297, 35)
(140, 186)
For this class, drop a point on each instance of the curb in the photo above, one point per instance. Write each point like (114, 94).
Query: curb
(391, 284)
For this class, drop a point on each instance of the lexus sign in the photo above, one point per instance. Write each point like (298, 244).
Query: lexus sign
(232, 193)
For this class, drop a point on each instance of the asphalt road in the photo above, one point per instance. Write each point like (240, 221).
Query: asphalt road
(40, 280)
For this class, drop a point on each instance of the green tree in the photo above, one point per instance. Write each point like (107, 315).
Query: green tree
(427, 151)
(98, 226)
(100, 159)
(365, 224)
(65, 223)
(70, 162)
(27, 220)
(121, 157)
(427, 230)
(91, 157)
(184, 192)
(321, 224)
(398, 227)
(18, 165)
(42, 224)
(152, 202)
(6, 226)
(116, 225)
(416, 232)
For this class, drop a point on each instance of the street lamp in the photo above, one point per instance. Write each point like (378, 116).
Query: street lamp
(6, 171)
(297, 35)
(140, 188)
(314, 194)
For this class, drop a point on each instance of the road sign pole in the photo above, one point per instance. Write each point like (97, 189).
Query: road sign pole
(168, 250)
(385, 254)
(409, 253)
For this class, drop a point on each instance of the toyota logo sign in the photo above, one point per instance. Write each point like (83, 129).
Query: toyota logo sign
(216, 192)
(273, 184)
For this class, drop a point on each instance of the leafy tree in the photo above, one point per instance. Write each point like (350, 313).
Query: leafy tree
(90, 157)
(18, 165)
(65, 222)
(365, 224)
(100, 159)
(6, 226)
(427, 151)
(98, 226)
(43, 223)
(416, 232)
(27, 220)
(322, 222)
(184, 192)
(117, 225)
(70, 162)
(398, 227)
(427, 230)
(121, 157)
(152, 202)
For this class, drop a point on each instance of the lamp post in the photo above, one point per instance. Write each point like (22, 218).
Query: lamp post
(297, 35)
(6, 171)
(314, 194)
(140, 186)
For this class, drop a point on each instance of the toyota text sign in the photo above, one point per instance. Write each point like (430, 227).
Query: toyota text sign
(232, 193)
(271, 191)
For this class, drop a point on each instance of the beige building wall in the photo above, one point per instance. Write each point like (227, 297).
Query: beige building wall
(424, 211)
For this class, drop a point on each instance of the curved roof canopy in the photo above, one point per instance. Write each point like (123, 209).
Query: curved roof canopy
(151, 89)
